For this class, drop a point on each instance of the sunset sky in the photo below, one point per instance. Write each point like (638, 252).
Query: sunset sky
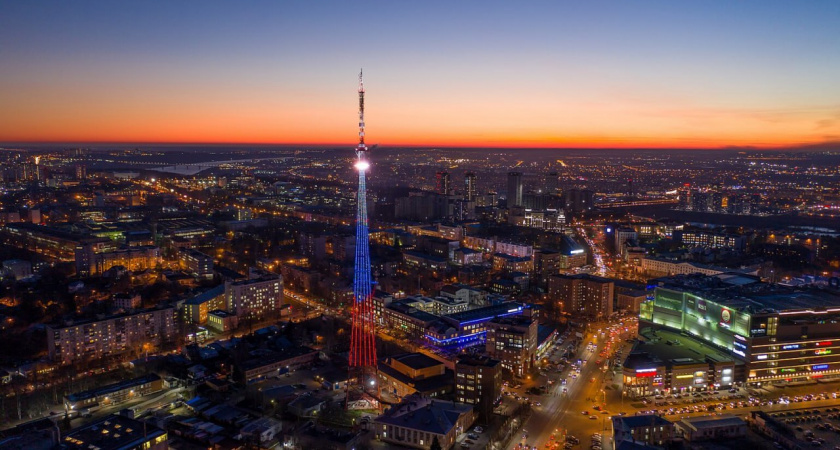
(630, 73)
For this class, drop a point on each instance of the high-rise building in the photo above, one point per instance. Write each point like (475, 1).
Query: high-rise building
(478, 381)
(469, 187)
(443, 183)
(684, 194)
(582, 295)
(514, 189)
(81, 172)
(551, 183)
(578, 200)
(258, 298)
(513, 341)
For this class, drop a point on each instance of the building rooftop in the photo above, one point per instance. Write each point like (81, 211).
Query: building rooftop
(107, 389)
(644, 420)
(206, 296)
(454, 288)
(512, 258)
(426, 256)
(411, 311)
(270, 357)
(74, 323)
(671, 348)
(569, 246)
(112, 433)
(424, 414)
(417, 361)
(477, 360)
(486, 312)
(544, 332)
(747, 293)
(255, 281)
(701, 422)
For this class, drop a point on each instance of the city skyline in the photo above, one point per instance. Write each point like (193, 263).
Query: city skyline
(543, 75)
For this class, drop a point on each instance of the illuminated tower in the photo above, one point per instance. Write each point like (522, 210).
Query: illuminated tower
(361, 383)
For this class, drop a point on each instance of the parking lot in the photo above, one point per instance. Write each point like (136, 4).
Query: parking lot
(818, 426)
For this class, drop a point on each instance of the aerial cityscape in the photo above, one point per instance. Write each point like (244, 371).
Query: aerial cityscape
(553, 225)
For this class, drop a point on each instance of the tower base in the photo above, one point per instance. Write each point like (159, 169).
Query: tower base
(362, 389)
(361, 401)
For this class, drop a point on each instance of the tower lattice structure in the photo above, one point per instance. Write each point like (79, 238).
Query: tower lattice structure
(362, 391)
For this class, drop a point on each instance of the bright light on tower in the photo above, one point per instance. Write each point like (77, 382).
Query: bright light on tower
(362, 165)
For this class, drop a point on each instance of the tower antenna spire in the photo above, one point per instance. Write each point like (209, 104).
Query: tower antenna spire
(361, 148)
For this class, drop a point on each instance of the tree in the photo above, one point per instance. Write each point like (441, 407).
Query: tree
(435, 444)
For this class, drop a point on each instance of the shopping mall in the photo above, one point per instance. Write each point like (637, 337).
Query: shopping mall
(773, 333)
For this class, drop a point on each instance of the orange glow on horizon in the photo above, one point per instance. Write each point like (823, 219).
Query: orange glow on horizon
(326, 118)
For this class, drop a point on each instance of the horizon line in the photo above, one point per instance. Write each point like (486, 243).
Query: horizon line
(803, 146)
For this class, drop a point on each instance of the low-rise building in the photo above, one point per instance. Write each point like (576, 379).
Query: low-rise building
(503, 262)
(116, 433)
(126, 301)
(263, 430)
(646, 428)
(473, 296)
(572, 253)
(221, 321)
(401, 316)
(470, 327)
(114, 393)
(670, 363)
(138, 258)
(417, 421)
(403, 375)
(196, 263)
(260, 367)
(16, 268)
(195, 309)
(704, 428)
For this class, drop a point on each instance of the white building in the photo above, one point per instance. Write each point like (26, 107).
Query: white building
(257, 298)
(95, 339)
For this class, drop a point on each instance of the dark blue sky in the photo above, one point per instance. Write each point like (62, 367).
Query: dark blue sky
(541, 73)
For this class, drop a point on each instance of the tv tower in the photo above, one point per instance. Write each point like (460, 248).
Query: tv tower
(362, 391)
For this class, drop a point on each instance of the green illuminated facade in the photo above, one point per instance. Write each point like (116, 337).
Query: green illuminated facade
(780, 333)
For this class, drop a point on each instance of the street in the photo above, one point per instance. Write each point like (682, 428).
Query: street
(561, 412)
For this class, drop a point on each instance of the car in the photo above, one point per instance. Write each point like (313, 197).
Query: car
(593, 417)
(465, 445)
(585, 413)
